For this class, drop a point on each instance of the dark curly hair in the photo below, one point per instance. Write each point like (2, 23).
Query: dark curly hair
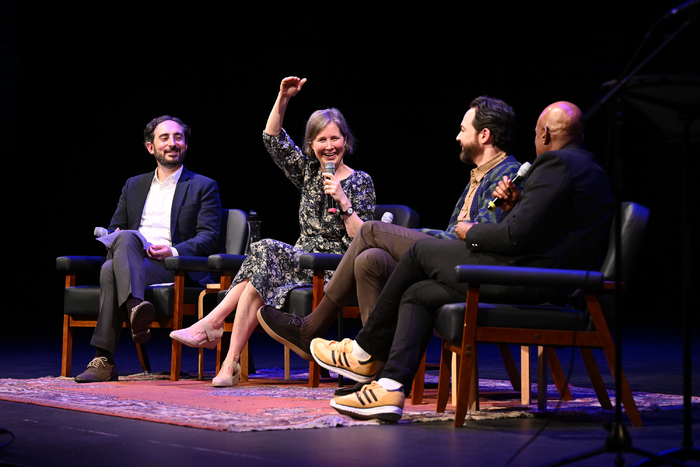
(151, 128)
(498, 117)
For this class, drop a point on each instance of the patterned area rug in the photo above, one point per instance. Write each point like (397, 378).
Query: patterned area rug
(268, 402)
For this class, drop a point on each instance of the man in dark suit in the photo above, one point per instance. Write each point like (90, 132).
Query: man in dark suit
(167, 213)
(562, 220)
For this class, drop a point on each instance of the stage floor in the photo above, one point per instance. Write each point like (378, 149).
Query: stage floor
(44, 436)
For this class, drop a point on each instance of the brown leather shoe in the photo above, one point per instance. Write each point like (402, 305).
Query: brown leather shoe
(98, 371)
(285, 329)
(141, 317)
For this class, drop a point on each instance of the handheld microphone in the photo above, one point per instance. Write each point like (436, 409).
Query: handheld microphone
(522, 173)
(101, 232)
(330, 202)
(388, 218)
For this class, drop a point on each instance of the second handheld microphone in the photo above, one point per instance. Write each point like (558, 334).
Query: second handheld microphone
(522, 173)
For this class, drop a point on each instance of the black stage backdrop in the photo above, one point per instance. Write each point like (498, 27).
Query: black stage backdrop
(403, 76)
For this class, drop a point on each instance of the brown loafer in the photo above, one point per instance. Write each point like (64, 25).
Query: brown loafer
(98, 371)
(141, 317)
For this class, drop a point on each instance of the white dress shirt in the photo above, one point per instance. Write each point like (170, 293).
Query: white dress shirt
(155, 220)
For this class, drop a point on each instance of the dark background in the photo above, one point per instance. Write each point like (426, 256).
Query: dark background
(82, 84)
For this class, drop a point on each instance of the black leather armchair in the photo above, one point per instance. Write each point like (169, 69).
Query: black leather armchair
(172, 302)
(463, 325)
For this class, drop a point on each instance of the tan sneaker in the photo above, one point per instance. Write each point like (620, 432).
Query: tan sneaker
(337, 357)
(372, 401)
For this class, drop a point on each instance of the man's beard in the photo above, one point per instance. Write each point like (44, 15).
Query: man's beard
(468, 152)
(170, 163)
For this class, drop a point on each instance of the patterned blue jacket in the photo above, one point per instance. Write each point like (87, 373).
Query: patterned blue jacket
(479, 212)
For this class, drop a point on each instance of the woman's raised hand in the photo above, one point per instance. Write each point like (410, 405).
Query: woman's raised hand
(291, 86)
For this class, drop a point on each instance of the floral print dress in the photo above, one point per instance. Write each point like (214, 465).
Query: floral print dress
(272, 267)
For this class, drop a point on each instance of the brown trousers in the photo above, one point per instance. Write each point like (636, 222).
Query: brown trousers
(368, 263)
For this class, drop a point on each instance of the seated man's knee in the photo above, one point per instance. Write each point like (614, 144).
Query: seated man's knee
(367, 227)
(431, 294)
(374, 263)
(125, 237)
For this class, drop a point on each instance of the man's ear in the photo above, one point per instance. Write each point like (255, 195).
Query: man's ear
(485, 136)
(546, 136)
(150, 147)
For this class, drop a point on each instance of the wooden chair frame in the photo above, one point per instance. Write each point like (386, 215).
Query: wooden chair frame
(180, 309)
(467, 375)
(233, 238)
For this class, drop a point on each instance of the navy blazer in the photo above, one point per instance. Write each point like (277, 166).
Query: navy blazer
(195, 218)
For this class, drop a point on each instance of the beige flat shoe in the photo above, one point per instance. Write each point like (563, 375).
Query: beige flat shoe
(210, 340)
(227, 381)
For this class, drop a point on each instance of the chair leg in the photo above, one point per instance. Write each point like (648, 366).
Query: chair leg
(178, 312)
(219, 356)
(596, 378)
(525, 376)
(200, 364)
(454, 369)
(474, 391)
(608, 346)
(314, 374)
(444, 379)
(541, 378)
(626, 397)
(558, 375)
(176, 360)
(473, 402)
(67, 353)
(511, 367)
(465, 382)
(287, 372)
(244, 363)
(419, 384)
(143, 357)
(200, 315)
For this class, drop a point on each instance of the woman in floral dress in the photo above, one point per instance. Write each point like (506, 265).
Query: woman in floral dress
(271, 269)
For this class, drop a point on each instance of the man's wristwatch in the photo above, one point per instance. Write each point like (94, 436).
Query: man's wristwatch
(349, 212)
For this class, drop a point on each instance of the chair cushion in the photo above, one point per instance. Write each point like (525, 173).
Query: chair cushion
(299, 300)
(85, 300)
(450, 318)
(81, 300)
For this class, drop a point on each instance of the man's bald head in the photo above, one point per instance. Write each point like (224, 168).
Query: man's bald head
(559, 125)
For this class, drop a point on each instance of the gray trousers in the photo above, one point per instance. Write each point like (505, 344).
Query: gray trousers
(125, 274)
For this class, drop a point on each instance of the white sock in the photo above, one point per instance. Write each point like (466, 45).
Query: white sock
(389, 384)
(358, 353)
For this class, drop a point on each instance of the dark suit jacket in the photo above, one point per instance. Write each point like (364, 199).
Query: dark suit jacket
(195, 219)
(562, 219)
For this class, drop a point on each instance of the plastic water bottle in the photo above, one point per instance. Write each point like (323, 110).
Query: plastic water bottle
(253, 229)
(388, 218)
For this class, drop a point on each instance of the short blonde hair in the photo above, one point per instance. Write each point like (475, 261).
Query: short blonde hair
(319, 120)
